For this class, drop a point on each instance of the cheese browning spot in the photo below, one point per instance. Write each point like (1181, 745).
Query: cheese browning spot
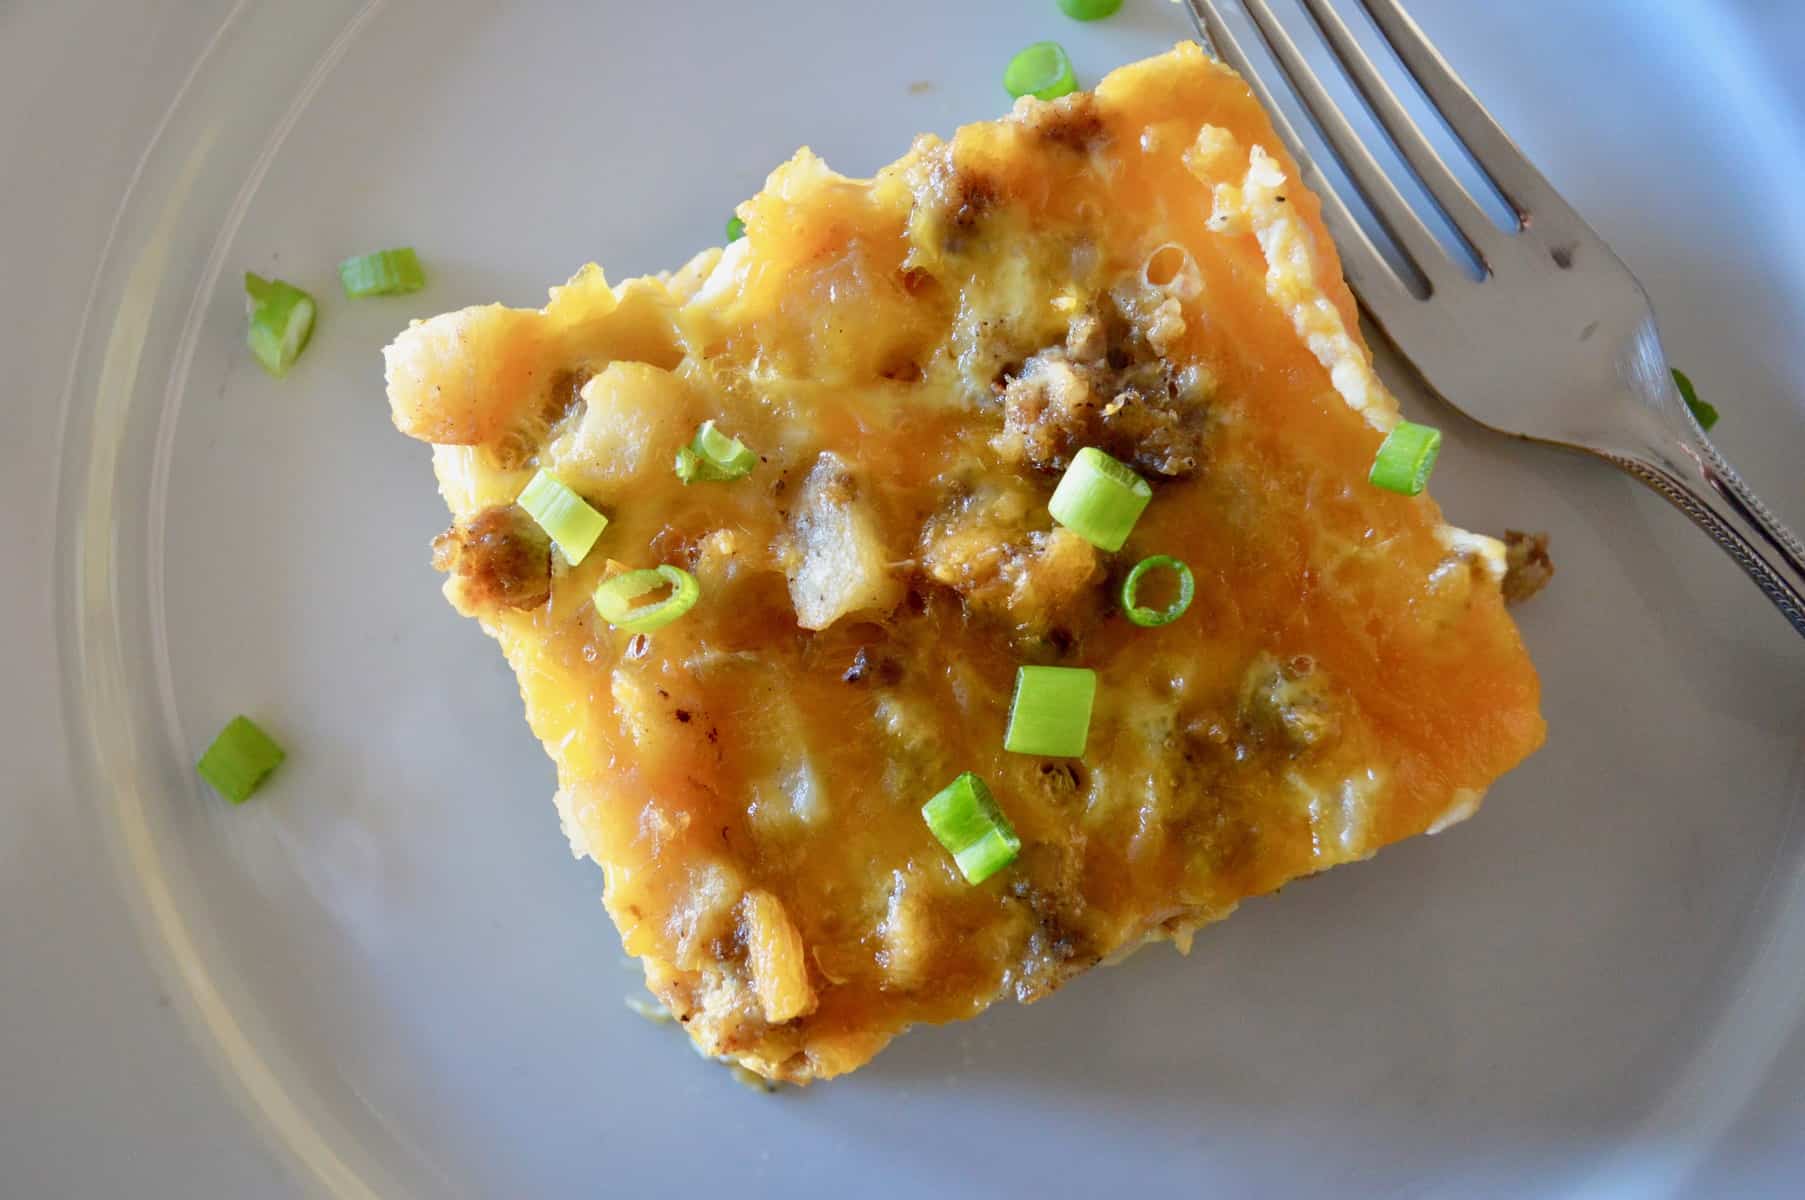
(779, 962)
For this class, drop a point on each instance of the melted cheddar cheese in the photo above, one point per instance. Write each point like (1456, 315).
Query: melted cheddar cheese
(915, 358)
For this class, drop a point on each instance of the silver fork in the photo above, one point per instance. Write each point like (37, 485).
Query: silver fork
(1556, 342)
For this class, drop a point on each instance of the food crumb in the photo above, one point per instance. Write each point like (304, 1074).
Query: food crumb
(648, 1008)
(1527, 567)
(757, 1083)
(921, 87)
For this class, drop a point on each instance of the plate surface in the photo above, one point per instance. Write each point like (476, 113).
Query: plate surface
(385, 976)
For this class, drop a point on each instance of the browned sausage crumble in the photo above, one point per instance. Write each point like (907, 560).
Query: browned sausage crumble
(1527, 567)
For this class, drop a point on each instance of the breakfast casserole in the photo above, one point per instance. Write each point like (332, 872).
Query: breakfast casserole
(813, 561)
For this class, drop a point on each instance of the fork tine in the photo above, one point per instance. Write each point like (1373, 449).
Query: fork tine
(1388, 204)
(1522, 185)
(1365, 268)
(1456, 202)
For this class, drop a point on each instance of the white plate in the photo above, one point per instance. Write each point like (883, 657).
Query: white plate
(400, 981)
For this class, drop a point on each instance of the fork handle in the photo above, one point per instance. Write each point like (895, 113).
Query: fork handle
(1683, 466)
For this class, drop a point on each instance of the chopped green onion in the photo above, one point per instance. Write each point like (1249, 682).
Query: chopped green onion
(565, 516)
(1051, 712)
(614, 598)
(1406, 458)
(1702, 411)
(1089, 10)
(239, 760)
(712, 456)
(964, 818)
(1043, 70)
(736, 229)
(1150, 617)
(384, 273)
(281, 322)
(1099, 499)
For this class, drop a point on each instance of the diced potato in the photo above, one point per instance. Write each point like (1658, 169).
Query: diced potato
(462, 378)
(586, 296)
(840, 565)
(471, 482)
(790, 798)
(779, 963)
(831, 1054)
(595, 322)
(705, 913)
(907, 932)
(578, 817)
(688, 279)
(635, 416)
(720, 559)
(795, 800)
(645, 716)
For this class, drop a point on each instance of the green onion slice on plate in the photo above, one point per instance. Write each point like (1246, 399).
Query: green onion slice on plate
(1043, 70)
(1089, 10)
(281, 321)
(384, 273)
(614, 598)
(239, 760)
(965, 819)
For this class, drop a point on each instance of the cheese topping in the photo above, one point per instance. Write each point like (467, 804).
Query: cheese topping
(915, 359)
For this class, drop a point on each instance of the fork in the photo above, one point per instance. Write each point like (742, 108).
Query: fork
(1556, 341)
